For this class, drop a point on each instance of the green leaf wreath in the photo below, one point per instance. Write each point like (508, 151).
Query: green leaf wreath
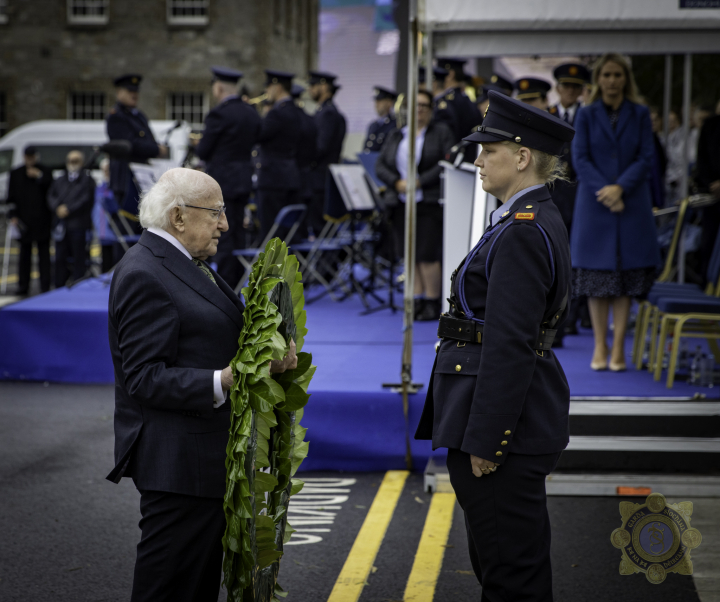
(266, 443)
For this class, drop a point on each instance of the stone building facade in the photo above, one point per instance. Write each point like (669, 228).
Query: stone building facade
(58, 57)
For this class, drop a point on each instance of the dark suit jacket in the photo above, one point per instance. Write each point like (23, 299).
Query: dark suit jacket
(170, 328)
(622, 156)
(280, 143)
(29, 195)
(125, 124)
(78, 195)
(231, 131)
(504, 390)
(438, 141)
(331, 128)
(562, 192)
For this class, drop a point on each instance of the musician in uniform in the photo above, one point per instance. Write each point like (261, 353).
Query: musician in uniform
(385, 123)
(454, 100)
(331, 127)
(278, 177)
(231, 130)
(498, 398)
(126, 122)
(308, 135)
(533, 91)
(505, 85)
(484, 99)
(571, 80)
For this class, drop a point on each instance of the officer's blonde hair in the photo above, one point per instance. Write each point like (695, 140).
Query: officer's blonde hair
(548, 167)
(176, 188)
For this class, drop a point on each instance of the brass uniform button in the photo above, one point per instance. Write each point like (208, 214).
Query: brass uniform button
(503, 443)
(458, 368)
(498, 453)
(141, 133)
(507, 432)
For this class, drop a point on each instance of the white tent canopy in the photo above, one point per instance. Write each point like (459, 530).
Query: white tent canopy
(474, 28)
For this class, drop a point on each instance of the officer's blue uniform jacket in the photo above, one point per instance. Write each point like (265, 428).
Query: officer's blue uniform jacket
(280, 139)
(455, 109)
(331, 128)
(377, 133)
(503, 396)
(231, 130)
(124, 123)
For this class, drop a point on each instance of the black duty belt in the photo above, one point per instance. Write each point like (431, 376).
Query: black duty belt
(470, 331)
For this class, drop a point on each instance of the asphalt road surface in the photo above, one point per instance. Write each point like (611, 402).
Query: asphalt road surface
(67, 534)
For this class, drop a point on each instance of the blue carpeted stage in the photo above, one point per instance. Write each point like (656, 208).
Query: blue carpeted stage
(354, 424)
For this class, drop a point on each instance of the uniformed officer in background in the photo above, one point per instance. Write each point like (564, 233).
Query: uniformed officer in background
(308, 136)
(231, 130)
(571, 80)
(484, 98)
(331, 127)
(438, 82)
(533, 91)
(385, 123)
(126, 122)
(498, 398)
(278, 176)
(504, 84)
(453, 100)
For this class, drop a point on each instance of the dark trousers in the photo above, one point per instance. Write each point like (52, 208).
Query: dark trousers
(73, 245)
(179, 557)
(508, 527)
(228, 266)
(270, 202)
(316, 211)
(25, 265)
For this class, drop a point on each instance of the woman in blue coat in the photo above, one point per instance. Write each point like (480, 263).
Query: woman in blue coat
(614, 240)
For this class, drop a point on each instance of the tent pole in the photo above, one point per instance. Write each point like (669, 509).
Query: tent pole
(687, 92)
(410, 230)
(429, 75)
(667, 98)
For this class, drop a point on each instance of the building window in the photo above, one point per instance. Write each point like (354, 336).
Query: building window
(187, 106)
(92, 12)
(3, 114)
(187, 12)
(3, 11)
(86, 105)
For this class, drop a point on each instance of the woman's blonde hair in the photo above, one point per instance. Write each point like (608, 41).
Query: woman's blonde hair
(549, 168)
(630, 91)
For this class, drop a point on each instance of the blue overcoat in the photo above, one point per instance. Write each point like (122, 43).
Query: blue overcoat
(600, 239)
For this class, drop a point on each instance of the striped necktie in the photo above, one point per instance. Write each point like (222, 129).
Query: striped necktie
(205, 270)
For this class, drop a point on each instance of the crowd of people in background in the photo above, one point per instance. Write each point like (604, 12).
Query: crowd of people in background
(267, 153)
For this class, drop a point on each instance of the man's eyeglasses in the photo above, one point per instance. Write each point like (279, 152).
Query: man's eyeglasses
(424, 105)
(216, 213)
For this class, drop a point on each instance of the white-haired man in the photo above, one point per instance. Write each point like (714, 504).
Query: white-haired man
(173, 329)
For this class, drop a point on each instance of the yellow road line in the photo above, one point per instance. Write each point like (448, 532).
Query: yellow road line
(429, 557)
(357, 567)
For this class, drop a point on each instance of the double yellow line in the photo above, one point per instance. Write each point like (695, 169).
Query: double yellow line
(428, 559)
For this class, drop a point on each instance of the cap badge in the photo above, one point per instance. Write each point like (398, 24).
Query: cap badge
(494, 78)
(487, 108)
(134, 80)
(442, 105)
(524, 84)
(573, 70)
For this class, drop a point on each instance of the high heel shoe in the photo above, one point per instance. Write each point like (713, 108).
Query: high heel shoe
(618, 367)
(599, 366)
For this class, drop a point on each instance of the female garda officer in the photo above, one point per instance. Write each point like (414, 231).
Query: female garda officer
(498, 398)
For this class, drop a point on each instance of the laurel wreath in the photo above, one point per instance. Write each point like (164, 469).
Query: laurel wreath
(266, 444)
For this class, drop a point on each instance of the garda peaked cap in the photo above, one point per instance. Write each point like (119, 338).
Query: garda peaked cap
(508, 119)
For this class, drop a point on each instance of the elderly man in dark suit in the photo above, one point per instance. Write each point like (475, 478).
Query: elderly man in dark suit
(27, 191)
(173, 329)
(71, 198)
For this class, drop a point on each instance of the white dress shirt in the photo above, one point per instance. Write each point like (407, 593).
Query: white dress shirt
(401, 159)
(571, 110)
(219, 396)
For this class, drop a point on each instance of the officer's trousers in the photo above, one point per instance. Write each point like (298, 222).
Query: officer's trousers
(507, 523)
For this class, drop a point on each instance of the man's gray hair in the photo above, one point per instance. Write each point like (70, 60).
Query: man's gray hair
(176, 188)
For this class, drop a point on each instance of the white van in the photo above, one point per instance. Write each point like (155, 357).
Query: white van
(55, 138)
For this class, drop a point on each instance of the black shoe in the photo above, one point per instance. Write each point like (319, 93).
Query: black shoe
(419, 307)
(430, 312)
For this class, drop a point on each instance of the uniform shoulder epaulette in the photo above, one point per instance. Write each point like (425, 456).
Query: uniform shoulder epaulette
(527, 212)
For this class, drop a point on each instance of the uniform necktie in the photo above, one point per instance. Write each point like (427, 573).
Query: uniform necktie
(205, 270)
(567, 117)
